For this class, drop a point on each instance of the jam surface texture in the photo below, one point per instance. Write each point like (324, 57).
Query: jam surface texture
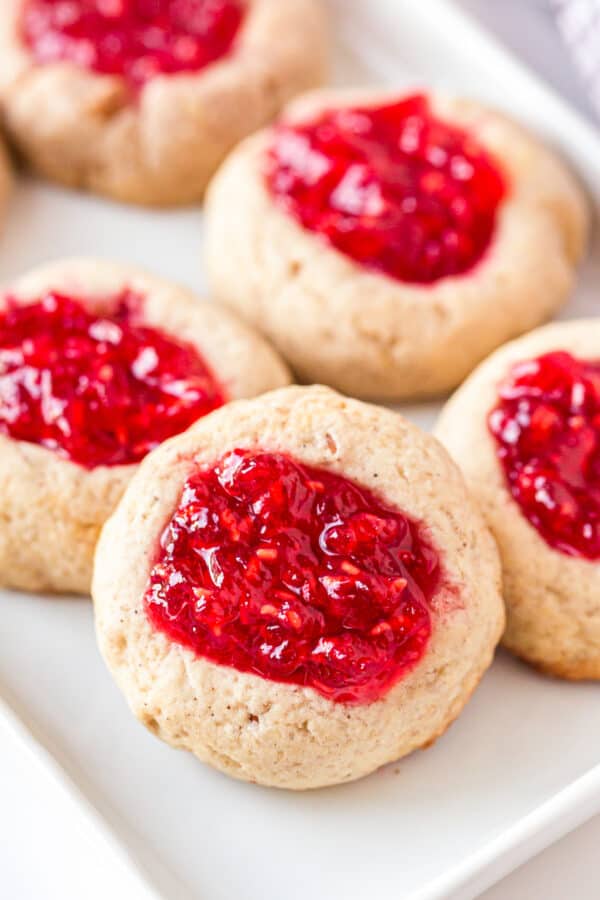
(547, 430)
(392, 187)
(135, 39)
(97, 389)
(295, 574)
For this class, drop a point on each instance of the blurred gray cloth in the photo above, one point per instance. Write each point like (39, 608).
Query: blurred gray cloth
(579, 23)
(533, 30)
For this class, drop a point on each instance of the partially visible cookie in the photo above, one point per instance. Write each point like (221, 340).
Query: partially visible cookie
(525, 429)
(6, 176)
(387, 243)
(142, 101)
(293, 604)
(99, 363)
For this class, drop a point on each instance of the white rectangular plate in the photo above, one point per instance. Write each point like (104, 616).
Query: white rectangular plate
(517, 770)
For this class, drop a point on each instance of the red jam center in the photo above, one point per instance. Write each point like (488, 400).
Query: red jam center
(97, 389)
(392, 187)
(547, 428)
(137, 39)
(294, 574)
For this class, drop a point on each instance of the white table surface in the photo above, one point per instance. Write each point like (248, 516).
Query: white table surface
(35, 846)
(571, 868)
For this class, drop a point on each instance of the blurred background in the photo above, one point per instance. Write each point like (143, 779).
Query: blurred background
(560, 39)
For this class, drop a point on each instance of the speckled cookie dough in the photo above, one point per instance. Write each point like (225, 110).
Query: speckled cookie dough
(160, 143)
(371, 335)
(52, 508)
(283, 734)
(552, 592)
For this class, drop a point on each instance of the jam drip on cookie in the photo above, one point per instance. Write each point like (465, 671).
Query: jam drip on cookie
(547, 428)
(392, 187)
(98, 389)
(294, 574)
(136, 39)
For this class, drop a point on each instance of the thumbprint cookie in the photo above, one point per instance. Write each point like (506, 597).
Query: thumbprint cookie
(292, 606)
(525, 428)
(99, 364)
(142, 99)
(387, 243)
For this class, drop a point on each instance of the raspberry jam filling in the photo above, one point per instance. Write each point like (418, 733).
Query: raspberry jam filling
(136, 39)
(294, 574)
(97, 389)
(392, 187)
(547, 428)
